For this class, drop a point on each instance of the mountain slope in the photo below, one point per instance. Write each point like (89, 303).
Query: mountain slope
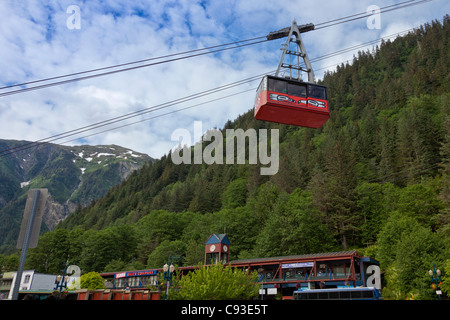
(74, 176)
(388, 111)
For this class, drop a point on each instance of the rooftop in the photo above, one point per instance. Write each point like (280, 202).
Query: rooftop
(297, 257)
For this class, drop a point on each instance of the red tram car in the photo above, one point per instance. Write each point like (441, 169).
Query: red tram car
(291, 102)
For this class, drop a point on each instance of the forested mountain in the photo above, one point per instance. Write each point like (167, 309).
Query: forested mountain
(375, 177)
(74, 176)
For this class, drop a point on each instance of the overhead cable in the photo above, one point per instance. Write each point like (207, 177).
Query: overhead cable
(191, 53)
(2, 94)
(127, 116)
(171, 103)
(168, 104)
(362, 15)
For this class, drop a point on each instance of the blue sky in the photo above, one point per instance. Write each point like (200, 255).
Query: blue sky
(37, 43)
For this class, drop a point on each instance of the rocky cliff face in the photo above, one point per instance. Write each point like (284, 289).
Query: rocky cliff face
(57, 212)
(74, 176)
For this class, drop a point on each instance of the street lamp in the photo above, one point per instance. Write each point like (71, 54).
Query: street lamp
(61, 281)
(168, 272)
(60, 285)
(435, 276)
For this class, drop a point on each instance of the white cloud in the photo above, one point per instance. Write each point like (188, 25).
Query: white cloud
(36, 44)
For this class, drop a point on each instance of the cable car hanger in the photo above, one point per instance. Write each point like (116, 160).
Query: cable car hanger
(285, 98)
(300, 51)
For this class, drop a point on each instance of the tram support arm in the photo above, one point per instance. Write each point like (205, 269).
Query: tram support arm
(285, 31)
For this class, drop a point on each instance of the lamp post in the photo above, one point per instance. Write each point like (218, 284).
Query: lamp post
(168, 273)
(61, 281)
(60, 285)
(435, 276)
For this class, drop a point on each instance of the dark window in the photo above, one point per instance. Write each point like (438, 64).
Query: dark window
(277, 86)
(334, 295)
(296, 90)
(302, 296)
(356, 294)
(323, 295)
(317, 92)
(345, 295)
(367, 294)
(312, 295)
(212, 258)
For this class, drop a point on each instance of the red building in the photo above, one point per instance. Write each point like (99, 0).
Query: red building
(278, 275)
